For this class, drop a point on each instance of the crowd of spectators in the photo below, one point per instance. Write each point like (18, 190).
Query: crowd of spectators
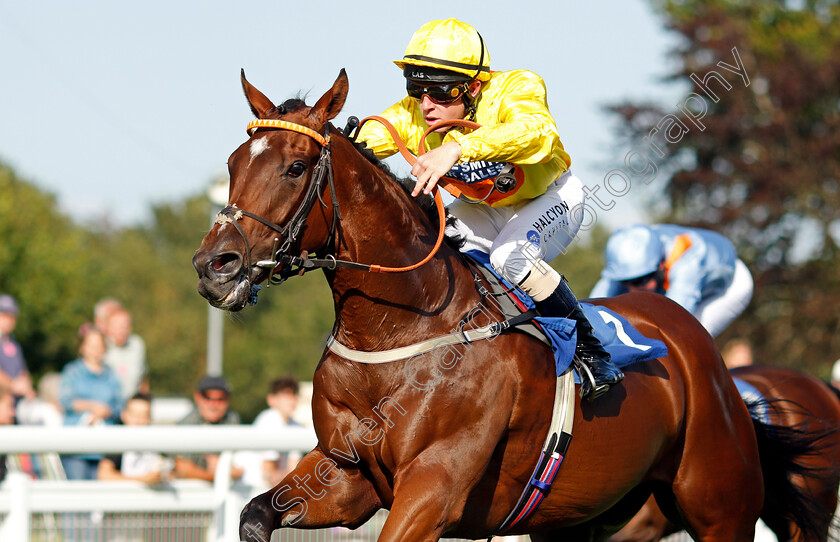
(107, 384)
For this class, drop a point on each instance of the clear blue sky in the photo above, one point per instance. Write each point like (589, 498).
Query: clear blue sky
(115, 106)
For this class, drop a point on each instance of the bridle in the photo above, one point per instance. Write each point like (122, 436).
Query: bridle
(297, 265)
(291, 230)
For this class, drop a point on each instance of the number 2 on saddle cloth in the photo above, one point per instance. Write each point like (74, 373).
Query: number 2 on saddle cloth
(624, 343)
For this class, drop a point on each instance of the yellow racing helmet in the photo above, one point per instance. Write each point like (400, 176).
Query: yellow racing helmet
(447, 45)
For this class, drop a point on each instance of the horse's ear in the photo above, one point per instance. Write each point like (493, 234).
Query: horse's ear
(260, 105)
(330, 104)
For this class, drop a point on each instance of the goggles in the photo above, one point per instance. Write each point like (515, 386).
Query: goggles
(639, 281)
(441, 94)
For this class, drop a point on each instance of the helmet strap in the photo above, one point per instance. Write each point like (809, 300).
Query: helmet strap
(480, 57)
(661, 275)
(469, 99)
(470, 103)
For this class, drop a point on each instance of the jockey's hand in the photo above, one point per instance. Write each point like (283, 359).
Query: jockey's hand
(433, 165)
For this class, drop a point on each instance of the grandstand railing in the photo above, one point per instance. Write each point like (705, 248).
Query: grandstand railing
(49, 509)
(183, 510)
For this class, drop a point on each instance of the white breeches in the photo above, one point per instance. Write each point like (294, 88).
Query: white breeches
(518, 236)
(718, 312)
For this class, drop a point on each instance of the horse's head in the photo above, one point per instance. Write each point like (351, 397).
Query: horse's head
(276, 200)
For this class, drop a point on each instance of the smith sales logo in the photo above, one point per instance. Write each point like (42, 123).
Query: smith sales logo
(473, 172)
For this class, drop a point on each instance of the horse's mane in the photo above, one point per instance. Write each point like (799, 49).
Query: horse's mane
(425, 201)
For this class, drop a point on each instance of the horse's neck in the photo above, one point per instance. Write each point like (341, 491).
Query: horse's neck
(382, 225)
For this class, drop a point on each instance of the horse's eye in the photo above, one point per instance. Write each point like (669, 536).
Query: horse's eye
(296, 169)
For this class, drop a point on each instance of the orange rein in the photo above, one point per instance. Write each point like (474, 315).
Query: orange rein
(438, 199)
(410, 158)
(444, 182)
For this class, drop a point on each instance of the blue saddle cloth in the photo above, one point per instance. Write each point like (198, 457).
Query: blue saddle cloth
(618, 336)
(623, 342)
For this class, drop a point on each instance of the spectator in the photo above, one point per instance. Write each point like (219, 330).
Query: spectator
(90, 395)
(212, 407)
(45, 408)
(147, 467)
(269, 468)
(102, 310)
(737, 353)
(7, 417)
(13, 372)
(126, 353)
(835, 375)
(697, 268)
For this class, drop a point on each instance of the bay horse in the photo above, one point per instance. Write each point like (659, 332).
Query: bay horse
(794, 400)
(452, 457)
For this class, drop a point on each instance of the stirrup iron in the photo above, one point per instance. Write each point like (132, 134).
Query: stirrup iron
(588, 389)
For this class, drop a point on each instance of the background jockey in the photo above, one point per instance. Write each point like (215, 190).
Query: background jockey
(697, 268)
(523, 223)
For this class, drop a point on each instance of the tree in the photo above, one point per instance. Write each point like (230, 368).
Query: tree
(753, 151)
(45, 266)
(58, 270)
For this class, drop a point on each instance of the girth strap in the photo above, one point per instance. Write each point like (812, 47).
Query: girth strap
(457, 337)
(554, 451)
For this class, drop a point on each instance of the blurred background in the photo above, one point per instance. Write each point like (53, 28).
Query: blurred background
(116, 118)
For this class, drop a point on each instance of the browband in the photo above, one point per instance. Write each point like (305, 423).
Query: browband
(286, 125)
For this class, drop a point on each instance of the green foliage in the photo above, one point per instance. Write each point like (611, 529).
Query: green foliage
(45, 266)
(583, 262)
(58, 270)
(763, 167)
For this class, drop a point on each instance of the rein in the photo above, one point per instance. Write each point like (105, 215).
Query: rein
(447, 183)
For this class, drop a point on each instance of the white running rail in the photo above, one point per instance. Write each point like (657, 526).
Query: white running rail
(21, 497)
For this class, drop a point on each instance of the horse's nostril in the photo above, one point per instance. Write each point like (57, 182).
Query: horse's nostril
(219, 263)
(224, 265)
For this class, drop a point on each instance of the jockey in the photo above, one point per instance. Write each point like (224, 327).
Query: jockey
(526, 221)
(697, 268)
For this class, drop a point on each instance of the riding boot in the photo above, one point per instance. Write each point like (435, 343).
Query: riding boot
(589, 353)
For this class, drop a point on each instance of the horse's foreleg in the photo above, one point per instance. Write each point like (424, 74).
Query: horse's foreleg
(317, 493)
(429, 496)
(422, 506)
